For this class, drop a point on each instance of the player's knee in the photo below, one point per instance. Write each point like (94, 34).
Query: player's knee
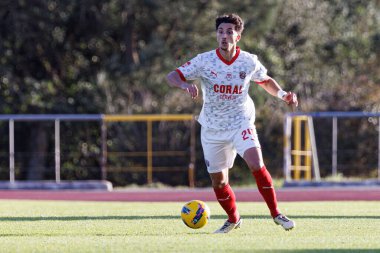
(255, 166)
(217, 184)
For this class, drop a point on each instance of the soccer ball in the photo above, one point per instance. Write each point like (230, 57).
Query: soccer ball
(195, 214)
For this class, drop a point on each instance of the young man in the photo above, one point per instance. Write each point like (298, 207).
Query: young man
(228, 115)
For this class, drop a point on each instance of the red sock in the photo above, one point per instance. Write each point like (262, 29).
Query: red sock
(265, 186)
(226, 198)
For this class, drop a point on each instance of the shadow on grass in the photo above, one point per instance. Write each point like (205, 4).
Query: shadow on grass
(169, 217)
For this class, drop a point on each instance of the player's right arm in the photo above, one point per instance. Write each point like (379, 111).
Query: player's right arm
(174, 80)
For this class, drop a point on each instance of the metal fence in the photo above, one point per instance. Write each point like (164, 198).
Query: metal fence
(104, 122)
(343, 134)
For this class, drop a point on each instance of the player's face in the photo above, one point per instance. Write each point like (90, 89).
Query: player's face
(226, 36)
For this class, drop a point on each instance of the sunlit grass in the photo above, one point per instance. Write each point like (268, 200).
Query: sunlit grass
(48, 226)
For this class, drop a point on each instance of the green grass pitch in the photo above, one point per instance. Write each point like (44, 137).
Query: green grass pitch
(69, 226)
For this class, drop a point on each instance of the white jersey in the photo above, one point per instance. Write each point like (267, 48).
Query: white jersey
(225, 85)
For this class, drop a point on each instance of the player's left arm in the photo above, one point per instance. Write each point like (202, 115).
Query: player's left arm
(273, 88)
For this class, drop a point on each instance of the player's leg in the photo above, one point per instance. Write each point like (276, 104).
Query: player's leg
(225, 195)
(254, 160)
(248, 147)
(226, 198)
(219, 157)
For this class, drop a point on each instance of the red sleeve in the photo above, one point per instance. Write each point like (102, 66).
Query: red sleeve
(181, 75)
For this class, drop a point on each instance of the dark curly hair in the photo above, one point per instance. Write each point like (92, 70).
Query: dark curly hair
(232, 19)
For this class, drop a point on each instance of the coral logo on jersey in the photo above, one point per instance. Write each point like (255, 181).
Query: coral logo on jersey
(229, 76)
(186, 64)
(228, 89)
(242, 75)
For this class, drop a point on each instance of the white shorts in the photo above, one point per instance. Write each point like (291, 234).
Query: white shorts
(220, 147)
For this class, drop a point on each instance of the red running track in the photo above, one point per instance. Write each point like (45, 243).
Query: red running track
(206, 194)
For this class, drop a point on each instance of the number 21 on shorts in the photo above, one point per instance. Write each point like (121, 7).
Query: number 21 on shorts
(248, 134)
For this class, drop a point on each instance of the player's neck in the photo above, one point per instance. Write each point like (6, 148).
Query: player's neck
(228, 54)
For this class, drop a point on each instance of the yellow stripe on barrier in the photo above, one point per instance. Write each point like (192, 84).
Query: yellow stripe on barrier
(302, 148)
(147, 117)
(297, 146)
(301, 118)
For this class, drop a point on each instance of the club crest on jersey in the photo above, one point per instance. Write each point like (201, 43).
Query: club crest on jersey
(229, 76)
(242, 75)
(186, 64)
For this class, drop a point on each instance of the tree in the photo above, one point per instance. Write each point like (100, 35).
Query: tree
(112, 57)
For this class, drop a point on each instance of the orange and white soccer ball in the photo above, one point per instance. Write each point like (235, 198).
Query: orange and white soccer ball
(195, 214)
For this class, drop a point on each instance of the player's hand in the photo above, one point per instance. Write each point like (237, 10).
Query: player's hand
(291, 98)
(191, 88)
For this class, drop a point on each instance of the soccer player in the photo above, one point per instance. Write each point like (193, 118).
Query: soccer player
(227, 117)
